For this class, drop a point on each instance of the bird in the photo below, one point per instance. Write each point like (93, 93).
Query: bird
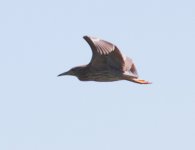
(107, 64)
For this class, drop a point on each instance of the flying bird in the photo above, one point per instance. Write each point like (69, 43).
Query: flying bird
(107, 64)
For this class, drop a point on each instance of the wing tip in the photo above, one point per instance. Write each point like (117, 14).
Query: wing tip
(85, 36)
(92, 38)
(88, 38)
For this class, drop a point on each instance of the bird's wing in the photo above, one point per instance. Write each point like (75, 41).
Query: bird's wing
(105, 54)
(129, 68)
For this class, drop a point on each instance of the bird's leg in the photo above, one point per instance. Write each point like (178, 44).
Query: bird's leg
(140, 81)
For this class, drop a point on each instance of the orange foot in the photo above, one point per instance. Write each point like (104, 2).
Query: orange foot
(140, 81)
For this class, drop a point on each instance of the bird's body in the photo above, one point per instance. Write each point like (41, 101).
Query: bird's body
(107, 64)
(88, 74)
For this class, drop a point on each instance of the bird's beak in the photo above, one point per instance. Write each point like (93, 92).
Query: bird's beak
(66, 73)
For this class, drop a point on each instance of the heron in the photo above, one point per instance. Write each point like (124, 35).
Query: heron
(107, 64)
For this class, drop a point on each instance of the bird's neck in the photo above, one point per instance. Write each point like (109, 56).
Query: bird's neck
(81, 72)
(80, 69)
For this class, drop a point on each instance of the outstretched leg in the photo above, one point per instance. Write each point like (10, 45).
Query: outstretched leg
(140, 81)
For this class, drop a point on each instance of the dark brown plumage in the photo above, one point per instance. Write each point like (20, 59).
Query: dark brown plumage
(107, 64)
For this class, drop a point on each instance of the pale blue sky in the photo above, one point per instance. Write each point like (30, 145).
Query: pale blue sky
(41, 38)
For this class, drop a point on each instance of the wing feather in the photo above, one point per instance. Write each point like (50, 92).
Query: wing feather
(105, 54)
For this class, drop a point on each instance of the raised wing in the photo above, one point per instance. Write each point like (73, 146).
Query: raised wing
(105, 54)
(129, 68)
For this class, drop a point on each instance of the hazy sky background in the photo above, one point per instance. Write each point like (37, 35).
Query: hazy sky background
(41, 38)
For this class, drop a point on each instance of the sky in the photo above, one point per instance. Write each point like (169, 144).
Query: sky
(41, 39)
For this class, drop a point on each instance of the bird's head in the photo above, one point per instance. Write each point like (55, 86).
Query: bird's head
(73, 71)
